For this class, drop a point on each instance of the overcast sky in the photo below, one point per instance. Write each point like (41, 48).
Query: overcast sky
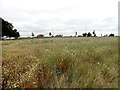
(61, 16)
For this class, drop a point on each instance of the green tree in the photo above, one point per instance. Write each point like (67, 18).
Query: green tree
(7, 30)
(32, 34)
(50, 34)
(84, 34)
(89, 34)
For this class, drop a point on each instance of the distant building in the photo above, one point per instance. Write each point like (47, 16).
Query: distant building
(40, 36)
(59, 36)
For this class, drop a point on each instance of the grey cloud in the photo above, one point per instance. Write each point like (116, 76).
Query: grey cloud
(44, 21)
(108, 25)
(110, 22)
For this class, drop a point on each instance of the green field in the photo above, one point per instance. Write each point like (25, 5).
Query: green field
(84, 62)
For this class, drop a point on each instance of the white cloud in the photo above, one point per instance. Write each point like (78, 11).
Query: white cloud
(59, 16)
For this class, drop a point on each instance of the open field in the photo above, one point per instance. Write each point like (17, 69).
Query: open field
(90, 62)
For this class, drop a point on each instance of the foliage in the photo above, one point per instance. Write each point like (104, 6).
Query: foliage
(8, 29)
(32, 34)
(84, 34)
(89, 34)
(50, 33)
(94, 33)
(111, 35)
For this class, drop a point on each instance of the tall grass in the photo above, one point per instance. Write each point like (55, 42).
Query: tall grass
(61, 63)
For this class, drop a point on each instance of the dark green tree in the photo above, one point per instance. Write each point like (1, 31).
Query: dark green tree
(84, 34)
(89, 34)
(32, 34)
(50, 34)
(111, 35)
(7, 29)
(94, 33)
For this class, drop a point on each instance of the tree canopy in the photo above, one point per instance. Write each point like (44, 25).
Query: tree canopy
(84, 34)
(89, 34)
(8, 29)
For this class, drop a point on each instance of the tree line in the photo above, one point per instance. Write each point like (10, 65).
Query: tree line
(9, 31)
(93, 34)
